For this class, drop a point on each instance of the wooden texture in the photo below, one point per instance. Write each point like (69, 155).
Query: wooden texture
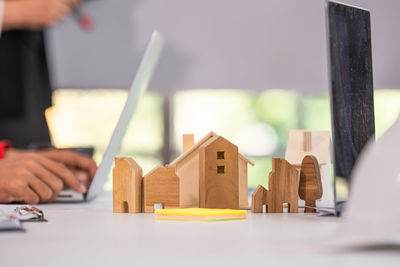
(127, 186)
(307, 141)
(283, 187)
(188, 142)
(302, 143)
(161, 186)
(219, 177)
(310, 186)
(258, 199)
(187, 168)
(321, 148)
(188, 172)
(243, 182)
(243, 185)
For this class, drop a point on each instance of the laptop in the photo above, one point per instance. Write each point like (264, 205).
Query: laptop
(351, 91)
(138, 88)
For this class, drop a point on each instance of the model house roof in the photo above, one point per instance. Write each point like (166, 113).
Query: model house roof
(155, 169)
(210, 137)
(129, 161)
(246, 159)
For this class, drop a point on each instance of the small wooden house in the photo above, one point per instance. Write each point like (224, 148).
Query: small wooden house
(218, 174)
(259, 199)
(127, 186)
(196, 182)
(283, 187)
(161, 187)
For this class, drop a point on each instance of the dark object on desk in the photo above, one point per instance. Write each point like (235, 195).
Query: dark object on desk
(351, 89)
(24, 88)
(87, 151)
(310, 186)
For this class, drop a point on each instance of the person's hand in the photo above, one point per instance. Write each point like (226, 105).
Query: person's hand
(83, 167)
(32, 178)
(35, 14)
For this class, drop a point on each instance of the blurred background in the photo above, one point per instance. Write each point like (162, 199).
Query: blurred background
(250, 72)
(257, 123)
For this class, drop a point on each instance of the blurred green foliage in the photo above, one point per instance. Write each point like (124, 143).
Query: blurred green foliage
(280, 109)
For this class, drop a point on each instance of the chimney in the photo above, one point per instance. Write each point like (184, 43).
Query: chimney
(188, 142)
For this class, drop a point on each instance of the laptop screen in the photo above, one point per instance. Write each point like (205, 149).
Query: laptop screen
(351, 89)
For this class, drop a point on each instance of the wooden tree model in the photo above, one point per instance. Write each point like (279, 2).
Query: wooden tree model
(310, 187)
(317, 143)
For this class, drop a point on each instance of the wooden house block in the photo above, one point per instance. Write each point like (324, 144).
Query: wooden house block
(219, 174)
(127, 186)
(317, 143)
(188, 167)
(161, 187)
(283, 187)
(258, 199)
(310, 187)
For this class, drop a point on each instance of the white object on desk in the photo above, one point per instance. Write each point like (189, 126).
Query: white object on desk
(8, 222)
(373, 208)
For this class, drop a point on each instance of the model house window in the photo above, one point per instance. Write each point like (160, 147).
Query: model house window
(220, 169)
(220, 155)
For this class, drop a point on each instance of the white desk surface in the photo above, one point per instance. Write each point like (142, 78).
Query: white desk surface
(89, 234)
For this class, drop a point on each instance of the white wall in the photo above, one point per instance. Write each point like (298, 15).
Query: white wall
(252, 44)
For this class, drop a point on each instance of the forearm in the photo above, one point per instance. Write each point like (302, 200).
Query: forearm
(35, 14)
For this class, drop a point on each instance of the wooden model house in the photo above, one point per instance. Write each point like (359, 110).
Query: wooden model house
(218, 174)
(212, 174)
(209, 174)
(161, 186)
(318, 144)
(127, 186)
(283, 187)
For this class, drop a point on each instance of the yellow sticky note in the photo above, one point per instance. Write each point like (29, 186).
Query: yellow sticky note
(198, 214)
